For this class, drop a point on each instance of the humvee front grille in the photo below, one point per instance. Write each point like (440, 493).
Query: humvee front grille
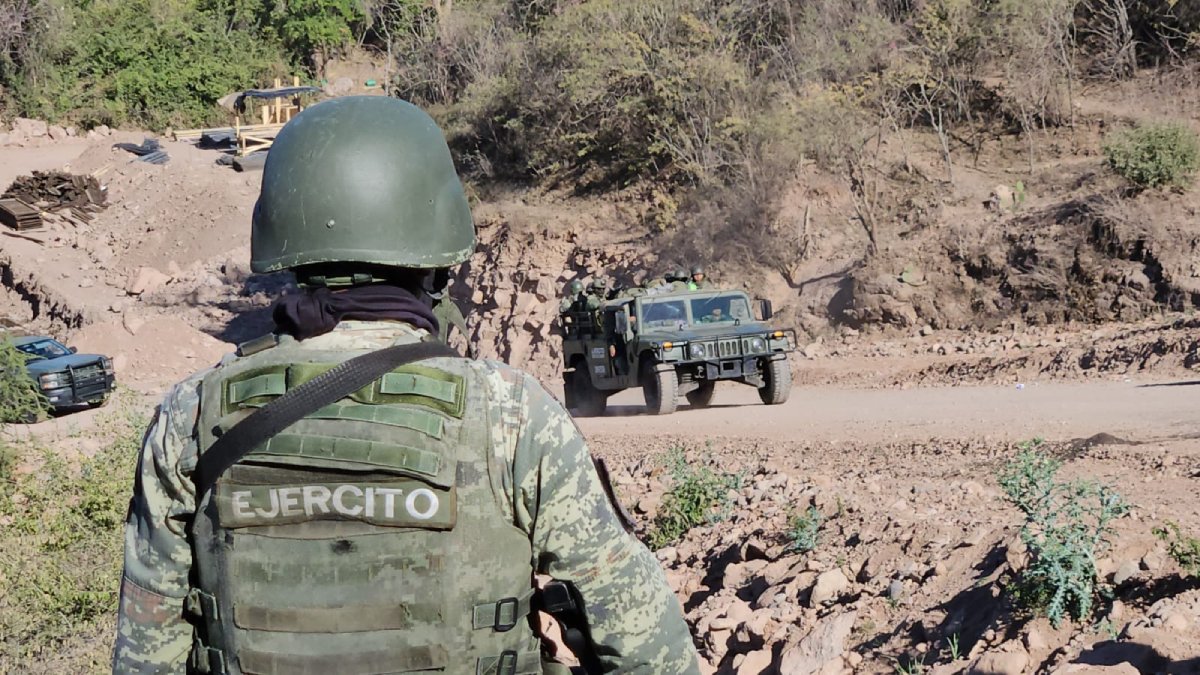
(729, 348)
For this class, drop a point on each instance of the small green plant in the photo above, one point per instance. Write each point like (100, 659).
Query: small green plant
(1184, 549)
(911, 666)
(20, 398)
(1018, 195)
(954, 647)
(1066, 525)
(804, 530)
(697, 495)
(1155, 155)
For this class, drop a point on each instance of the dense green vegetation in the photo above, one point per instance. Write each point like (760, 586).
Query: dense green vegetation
(659, 96)
(160, 63)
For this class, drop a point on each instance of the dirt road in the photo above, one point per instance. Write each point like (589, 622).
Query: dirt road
(1136, 411)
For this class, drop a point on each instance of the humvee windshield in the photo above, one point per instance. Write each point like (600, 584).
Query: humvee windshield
(664, 312)
(709, 309)
(721, 308)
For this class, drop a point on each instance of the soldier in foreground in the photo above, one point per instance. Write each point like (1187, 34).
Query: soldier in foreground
(699, 280)
(396, 528)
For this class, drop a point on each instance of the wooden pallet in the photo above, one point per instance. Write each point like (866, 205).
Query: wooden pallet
(20, 216)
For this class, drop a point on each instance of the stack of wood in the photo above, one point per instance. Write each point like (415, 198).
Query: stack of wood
(19, 216)
(75, 197)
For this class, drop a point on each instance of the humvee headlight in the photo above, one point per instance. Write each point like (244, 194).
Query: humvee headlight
(758, 345)
(698, 351)
(668, 345)
(778, 333)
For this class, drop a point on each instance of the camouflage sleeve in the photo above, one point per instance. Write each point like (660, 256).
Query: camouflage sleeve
(635, 620)
(152, 634)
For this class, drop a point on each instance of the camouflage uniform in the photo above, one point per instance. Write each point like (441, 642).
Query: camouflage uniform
(548, 487)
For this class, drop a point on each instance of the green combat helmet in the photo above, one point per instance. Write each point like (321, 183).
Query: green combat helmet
(679, 279)
(570, 296)
(597, 293)
(358, 183)
(698, 279)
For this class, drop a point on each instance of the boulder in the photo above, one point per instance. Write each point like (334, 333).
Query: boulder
(822, 647)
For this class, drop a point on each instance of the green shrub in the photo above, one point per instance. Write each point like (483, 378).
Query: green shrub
(698, 495)
(60, 552)
(1155, 155)
(1184, 549)
(804, 530)
(20, 397)
(1066, 526)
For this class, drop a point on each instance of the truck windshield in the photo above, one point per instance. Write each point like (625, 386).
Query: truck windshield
(720, 308)
(44, 349)
(664, 312)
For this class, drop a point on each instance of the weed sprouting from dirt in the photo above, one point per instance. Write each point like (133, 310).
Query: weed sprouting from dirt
(1155, 155)
(911, 666)
(955, 648)
(698, 495)
(804, 530)
(1184, 549)
(60, 549)
(1066, 525)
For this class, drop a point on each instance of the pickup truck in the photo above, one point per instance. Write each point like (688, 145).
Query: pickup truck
(65, 377)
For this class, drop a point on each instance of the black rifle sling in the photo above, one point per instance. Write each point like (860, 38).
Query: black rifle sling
(325, 389)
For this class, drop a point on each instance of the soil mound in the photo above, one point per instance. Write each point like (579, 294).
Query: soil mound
(152, 353)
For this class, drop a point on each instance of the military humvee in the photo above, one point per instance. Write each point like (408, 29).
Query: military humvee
(670, 344)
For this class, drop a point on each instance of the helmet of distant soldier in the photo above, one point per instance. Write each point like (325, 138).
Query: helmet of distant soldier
(575, 287)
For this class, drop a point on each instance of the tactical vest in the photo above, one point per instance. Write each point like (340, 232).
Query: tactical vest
(367, 538)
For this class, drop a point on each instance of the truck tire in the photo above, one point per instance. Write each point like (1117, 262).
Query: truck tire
(702, 396)
(661, 389)
(777, 382)
(587, 399)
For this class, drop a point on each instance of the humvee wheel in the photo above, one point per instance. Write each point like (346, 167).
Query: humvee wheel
(777, 382)
(702, 396)
(661, 389)
(586, 398)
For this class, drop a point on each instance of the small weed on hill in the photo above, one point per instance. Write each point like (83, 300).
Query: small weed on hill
(804, 530)
(1066, 525)
(698, 495)
(1184, 549)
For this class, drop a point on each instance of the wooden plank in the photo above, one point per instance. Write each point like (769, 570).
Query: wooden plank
(20, 216)
(197, 133)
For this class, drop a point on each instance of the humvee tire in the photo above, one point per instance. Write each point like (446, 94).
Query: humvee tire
(584, 396)
(660, 389)
(777, 382)
(702, 396)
